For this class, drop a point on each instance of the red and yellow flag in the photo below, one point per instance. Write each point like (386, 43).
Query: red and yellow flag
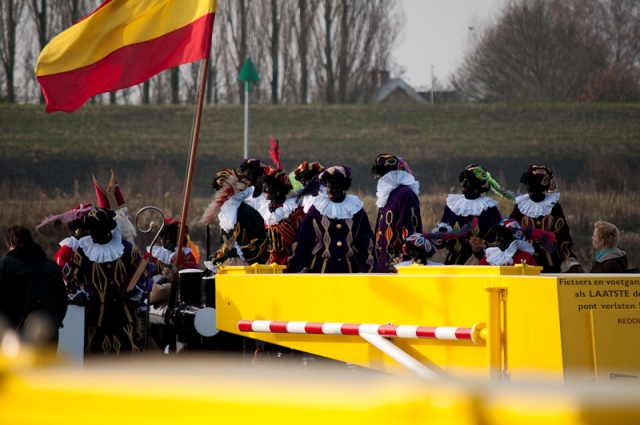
(120, 44)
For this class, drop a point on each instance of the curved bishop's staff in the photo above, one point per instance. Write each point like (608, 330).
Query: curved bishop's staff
(142, 265)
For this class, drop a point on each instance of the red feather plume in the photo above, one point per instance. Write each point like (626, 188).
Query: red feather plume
(274, 152)
(546, 240)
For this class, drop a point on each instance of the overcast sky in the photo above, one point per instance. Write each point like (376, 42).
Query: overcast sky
(436, 33)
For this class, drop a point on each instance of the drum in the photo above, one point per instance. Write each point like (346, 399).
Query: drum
(190, 283)
(208, 291)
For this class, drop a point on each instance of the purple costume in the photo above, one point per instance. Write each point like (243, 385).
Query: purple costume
(326, 245)
(460, 250)
(399, 218)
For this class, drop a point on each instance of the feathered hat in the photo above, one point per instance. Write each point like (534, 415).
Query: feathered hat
(514, 227)
(308, 170)
(228, 183)
(253, 164)
(387, 162)
(340, 175)
(277, 176)
(541, 176)
(432, 241)
(420, 241)
(75, 213)
(483, 180)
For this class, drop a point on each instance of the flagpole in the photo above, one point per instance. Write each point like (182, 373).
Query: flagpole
(204, 68)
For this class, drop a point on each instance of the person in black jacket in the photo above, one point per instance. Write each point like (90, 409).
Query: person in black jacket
(30, 284)
(609, 258)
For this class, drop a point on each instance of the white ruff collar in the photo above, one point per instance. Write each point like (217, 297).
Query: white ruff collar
(228, 215)
(289, 206)
(106, 253)
(537, 209)
(464, 207)
(259, 203)
(71, 242)
(341, 210)
(164, 255)
(497, 257)
(392, 180)
(307, 201)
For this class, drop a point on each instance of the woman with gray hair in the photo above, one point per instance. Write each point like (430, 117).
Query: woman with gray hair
(609, 258)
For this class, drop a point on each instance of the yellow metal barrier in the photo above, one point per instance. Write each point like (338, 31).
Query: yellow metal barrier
(559, 328)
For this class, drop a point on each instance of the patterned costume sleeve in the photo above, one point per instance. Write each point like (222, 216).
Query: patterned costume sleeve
(304, 242)
(251, 235)
(64, 257)
(564, 243)
(364, 243)
(410, 220)
(75, 277)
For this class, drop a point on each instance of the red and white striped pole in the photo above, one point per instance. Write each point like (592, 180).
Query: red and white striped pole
(447, 333)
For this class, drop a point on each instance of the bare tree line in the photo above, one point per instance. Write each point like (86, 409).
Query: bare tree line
(556, 50)
(305, 51)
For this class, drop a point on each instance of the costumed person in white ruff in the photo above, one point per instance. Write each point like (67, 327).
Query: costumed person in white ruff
(69, 245)
(242, 231)
(335, 235)
(252, 171)
(398, 209)
(102, 266)
(420, 247)
(283, 216)
(304, 174)
(540, 209)
(165, 274)
(111, 198)
(461, 209)
(512, 246)
(164, 257)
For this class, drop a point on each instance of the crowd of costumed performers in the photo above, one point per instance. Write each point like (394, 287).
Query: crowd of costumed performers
(306, 219)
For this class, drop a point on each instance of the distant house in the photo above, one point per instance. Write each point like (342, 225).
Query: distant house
(382, 89)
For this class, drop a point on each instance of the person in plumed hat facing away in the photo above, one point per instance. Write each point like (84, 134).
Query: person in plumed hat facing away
(242, 230)
(335, 236)
(68, 246)
(102, 266)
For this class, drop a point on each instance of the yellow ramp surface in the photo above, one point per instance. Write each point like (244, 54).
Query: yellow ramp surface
(214, 390)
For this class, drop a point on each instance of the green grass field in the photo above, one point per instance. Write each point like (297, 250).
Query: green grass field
(46, 160)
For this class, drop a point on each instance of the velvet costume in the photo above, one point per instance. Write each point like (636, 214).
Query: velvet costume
(333, 245)
(110, 315)
(460, 250)
(281, 234)
(397, 219)
(553, 221)
(250, 234)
